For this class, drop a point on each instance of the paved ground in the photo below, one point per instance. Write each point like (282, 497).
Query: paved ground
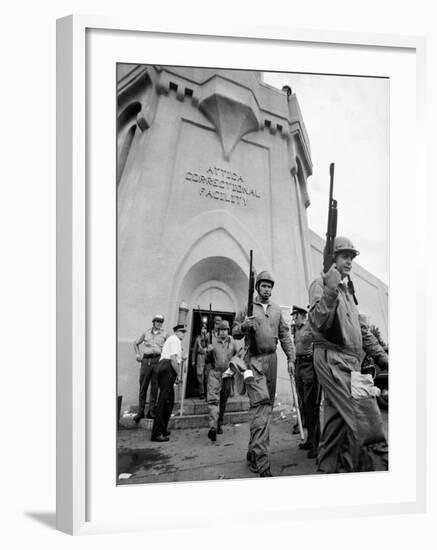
(191, 456)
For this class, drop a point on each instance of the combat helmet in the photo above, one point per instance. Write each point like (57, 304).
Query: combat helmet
(264, 276)
(343, 244)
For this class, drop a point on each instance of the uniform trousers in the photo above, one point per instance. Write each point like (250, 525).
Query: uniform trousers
(308, 390)
(218, 392)
(200, 368)
(353, 438)
(148, 375)
(164, 407)
(261, 392)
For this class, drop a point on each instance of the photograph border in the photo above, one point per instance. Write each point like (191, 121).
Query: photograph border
(72, 298)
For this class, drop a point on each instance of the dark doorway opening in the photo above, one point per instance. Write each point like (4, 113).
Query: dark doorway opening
(193, 389)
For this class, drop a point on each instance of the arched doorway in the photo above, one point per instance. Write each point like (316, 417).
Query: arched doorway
(212, 286)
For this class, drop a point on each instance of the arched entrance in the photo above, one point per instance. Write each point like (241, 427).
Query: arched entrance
(212, 286)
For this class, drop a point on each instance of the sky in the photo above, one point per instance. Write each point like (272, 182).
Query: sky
(347, 120)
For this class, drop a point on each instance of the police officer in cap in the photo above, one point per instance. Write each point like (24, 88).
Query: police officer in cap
(148, 349)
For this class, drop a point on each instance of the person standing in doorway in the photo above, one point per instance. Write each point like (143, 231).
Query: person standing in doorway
(148, 349)
(212, 339)
(198, 354)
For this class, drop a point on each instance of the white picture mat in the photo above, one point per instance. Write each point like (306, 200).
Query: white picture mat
(188, 501)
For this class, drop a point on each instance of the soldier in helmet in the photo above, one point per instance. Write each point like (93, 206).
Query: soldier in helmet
(263, 330)
(219, 384)
(151, 341)
(199, 354)
(212, 339)
(353, 438)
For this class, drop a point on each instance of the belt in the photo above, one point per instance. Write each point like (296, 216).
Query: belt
(306, 357)
(151, 356)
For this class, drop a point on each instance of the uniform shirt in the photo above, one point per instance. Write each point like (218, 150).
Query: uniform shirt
(324, 304)
(270, 321)
(222, 353)
(303, 340)
(153, 343)
(200, 347)
(172, 346)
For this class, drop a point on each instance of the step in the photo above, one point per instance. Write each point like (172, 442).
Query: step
(178, 422)
(200, 406)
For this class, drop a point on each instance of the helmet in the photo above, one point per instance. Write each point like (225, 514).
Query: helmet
(158, 317)
(298, 309)
(343, 244)
(264, 276)
(224, 324)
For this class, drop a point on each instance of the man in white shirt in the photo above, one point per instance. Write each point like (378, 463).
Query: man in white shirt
(169, 369)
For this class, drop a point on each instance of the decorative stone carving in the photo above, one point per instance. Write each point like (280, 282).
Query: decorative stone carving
(232, 110)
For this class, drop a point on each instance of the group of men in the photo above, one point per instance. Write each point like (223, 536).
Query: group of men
(324, 355)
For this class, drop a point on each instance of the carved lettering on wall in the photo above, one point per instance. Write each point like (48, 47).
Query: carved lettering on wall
(223, 185)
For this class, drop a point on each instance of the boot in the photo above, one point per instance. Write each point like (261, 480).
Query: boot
(250, 461)
(266, 473)
(312, 453)
(138, 416)
(212, 434)
(219, 428)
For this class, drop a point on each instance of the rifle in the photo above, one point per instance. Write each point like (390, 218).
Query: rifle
(334, 332)
(251, 340)
(296, 404)
(251, 286)
(210, 324)
(331, 231)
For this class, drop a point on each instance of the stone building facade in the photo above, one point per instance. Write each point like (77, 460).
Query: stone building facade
(210, 165)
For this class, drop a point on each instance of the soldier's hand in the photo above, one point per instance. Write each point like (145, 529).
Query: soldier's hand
(291, 368)
(138, 358)
(332, 278)
(249, 323)
(382, 361)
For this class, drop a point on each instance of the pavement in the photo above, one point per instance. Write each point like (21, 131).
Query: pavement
(191, 456)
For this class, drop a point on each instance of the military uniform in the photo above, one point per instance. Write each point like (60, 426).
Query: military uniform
(353, 438)
(199, 354)
(219, 384)
(261, 389)
(151, 342)
(307, 384)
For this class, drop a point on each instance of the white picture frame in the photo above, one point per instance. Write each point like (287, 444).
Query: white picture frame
(75, 214)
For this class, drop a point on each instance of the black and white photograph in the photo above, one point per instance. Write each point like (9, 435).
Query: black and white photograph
(252, 273)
